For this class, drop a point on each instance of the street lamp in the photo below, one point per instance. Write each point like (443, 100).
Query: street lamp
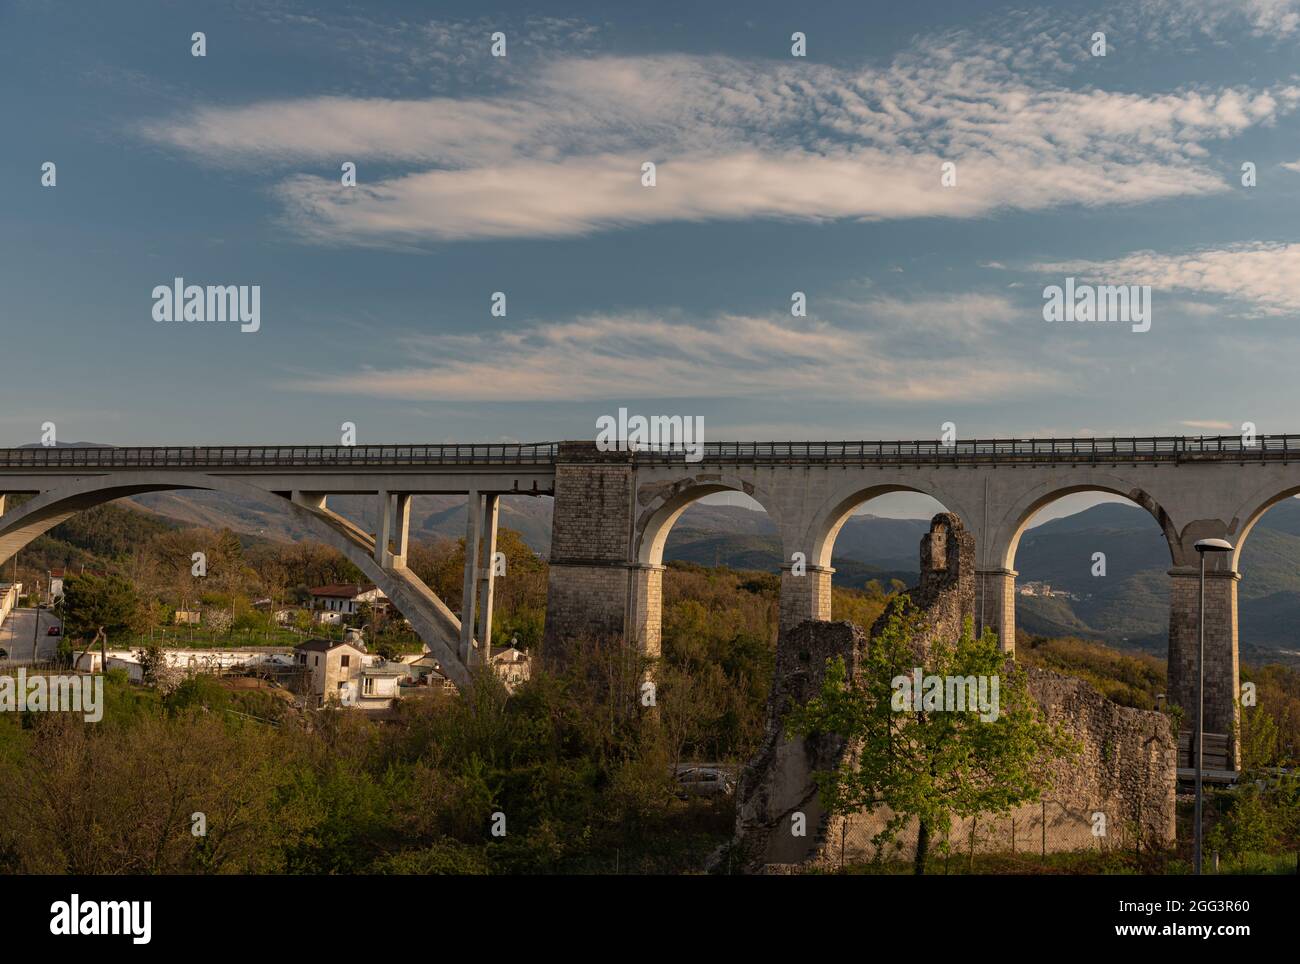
(1202, 547)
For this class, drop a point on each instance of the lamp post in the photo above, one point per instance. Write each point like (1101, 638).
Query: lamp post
(1202, 547)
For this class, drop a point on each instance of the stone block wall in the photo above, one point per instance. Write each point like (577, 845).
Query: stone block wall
(805, 596)
(995, 605)
(590, 582)
(1222, 672)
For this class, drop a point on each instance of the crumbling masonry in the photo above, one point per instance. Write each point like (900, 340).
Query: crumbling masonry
(1124, 772)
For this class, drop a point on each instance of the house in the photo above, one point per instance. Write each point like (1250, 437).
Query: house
(344, 673)
(427, 671)
(281, 614)
(56, 584)
(9, 593)
(513, 665)
(334, 602)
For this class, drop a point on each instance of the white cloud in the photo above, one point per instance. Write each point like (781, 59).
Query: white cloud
(1293, 166)
(1264, 275)
(643, 356)
(1210, 425)
(732, 140)
(1263, 18)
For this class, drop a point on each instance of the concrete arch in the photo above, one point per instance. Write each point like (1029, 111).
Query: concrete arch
(1007, 532)
(433, 621)
(656, 520)
(835, 511)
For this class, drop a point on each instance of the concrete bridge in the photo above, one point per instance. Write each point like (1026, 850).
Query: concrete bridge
(613, 512)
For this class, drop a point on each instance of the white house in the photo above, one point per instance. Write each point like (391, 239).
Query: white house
(332, 603)
(512, 665)
(344, 673)
(9, 593)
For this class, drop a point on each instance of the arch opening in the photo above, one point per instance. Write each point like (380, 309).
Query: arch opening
(706, 608)
(1091, 563)
(1267, 555)
(429, 616)
(866, 548)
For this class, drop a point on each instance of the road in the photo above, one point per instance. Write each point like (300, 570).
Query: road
(16, 636)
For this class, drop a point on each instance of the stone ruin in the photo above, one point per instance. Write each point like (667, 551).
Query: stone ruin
(1125, 770)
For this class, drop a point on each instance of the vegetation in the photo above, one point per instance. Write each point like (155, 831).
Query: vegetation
(934, 762)
(582, 773)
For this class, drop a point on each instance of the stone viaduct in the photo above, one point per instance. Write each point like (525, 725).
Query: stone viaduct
(613, 512)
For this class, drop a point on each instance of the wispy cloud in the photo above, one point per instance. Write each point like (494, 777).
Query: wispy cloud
(644, 356)
(1266, 276)
(561, 154)
(1262, 18)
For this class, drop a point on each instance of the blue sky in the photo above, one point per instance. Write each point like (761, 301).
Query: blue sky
(521, 174)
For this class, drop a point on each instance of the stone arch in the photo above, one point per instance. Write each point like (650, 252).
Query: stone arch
(1006, 534)
(664, 505)
(656, 520)
(432, 620)
(808, 595)
(996, 600)
(837, 510)
(1251, 511)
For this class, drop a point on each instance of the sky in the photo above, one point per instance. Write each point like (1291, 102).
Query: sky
(523, 174)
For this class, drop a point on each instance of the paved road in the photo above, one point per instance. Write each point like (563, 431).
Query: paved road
(16, 636)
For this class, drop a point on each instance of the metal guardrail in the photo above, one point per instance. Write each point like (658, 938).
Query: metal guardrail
(271, 456)
(1172, 448)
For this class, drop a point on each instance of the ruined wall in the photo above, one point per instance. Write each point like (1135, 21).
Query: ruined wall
(945, 593)
(777, 782)
(1125, 769)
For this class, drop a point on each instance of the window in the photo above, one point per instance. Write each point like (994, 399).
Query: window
(368, 686)
(346, 658)
(317, 663)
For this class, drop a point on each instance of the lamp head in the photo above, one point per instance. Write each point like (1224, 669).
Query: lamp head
(1213, 545)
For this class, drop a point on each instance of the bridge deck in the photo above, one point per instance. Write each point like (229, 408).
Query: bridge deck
(1175, 449)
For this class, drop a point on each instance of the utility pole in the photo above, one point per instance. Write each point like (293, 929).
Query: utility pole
(36, 619)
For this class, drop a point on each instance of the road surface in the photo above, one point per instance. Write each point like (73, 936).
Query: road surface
(16, 636)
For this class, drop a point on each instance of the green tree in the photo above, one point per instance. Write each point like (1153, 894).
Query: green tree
(928, 763)
(96, 606)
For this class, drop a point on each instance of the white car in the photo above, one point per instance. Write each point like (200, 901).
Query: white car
(703, 782)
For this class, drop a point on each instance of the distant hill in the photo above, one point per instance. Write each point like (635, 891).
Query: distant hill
(432, 516)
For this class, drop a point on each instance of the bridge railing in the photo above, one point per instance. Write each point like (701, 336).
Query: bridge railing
(1170, 448)
(271, 456)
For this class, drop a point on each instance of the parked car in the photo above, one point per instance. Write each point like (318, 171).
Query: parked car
(54, 631)
(703, 782)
